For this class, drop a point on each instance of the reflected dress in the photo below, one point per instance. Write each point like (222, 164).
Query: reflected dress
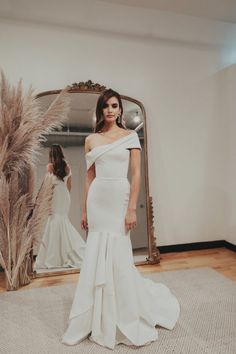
(61, 245)
(113, 303)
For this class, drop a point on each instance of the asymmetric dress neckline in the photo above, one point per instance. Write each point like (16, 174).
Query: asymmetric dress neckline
(113, 142)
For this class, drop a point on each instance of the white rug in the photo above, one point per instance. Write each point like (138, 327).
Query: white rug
(33, 321)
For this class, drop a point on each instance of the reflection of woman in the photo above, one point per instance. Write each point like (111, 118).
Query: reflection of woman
(113, 303)
(61, 245)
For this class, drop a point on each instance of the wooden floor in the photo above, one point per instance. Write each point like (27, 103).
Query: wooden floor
(220, 259)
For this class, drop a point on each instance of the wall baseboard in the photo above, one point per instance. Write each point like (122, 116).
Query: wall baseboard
(197, 246)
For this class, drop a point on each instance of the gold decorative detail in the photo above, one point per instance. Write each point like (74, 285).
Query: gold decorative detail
(155, 253)
(87, 86)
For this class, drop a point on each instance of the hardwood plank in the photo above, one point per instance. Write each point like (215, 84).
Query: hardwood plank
(220, 259)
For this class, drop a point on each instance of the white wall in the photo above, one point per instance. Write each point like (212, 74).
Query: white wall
(231, 222)
(178, 83)
(228, 83)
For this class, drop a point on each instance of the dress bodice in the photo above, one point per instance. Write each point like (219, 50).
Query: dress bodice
(112, 160)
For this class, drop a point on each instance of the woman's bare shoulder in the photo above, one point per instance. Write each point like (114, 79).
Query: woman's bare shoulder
(49, 167)
(67, 169)
(129, 131)
(91, 137)
(90, 140)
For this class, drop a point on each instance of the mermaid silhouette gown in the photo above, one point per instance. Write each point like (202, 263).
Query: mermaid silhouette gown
(61, 245)
(113, 303)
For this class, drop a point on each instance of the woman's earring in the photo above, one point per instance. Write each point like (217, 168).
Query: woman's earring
(118, 119)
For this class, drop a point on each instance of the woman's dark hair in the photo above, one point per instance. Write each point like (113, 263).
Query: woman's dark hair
(102, 100)
(56, 157)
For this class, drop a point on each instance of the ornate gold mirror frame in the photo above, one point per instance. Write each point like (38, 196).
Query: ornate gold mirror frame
(153, 252)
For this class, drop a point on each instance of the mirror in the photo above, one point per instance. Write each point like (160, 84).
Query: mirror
(71, 137)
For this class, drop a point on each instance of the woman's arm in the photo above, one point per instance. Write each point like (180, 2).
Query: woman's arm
(88, 180)
(91, 174)
(131, 218)
(69, 178)
(69, 183)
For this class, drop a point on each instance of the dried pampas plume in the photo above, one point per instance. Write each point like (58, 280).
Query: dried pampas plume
(22, 128)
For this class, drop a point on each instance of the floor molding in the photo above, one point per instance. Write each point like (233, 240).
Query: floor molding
(197, 246)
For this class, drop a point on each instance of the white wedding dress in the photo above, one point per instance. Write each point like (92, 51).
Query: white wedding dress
(113, 303)
(61, 245)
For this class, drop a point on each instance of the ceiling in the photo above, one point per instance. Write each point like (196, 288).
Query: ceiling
(221, 10)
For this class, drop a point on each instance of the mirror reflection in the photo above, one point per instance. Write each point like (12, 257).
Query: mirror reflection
(61, 245)
(68, 193)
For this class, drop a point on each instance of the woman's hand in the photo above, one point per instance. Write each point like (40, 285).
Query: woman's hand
(84, 223)
(130, 219)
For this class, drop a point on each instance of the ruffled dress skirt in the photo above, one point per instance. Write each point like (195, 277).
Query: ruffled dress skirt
(113, 303)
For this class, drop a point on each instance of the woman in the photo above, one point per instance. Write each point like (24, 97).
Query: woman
(61, 245)
(113, 303)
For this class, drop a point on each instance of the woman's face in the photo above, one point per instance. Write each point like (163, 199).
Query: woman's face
(111, 110)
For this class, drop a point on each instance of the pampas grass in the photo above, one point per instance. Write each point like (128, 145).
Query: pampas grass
(22, 128)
